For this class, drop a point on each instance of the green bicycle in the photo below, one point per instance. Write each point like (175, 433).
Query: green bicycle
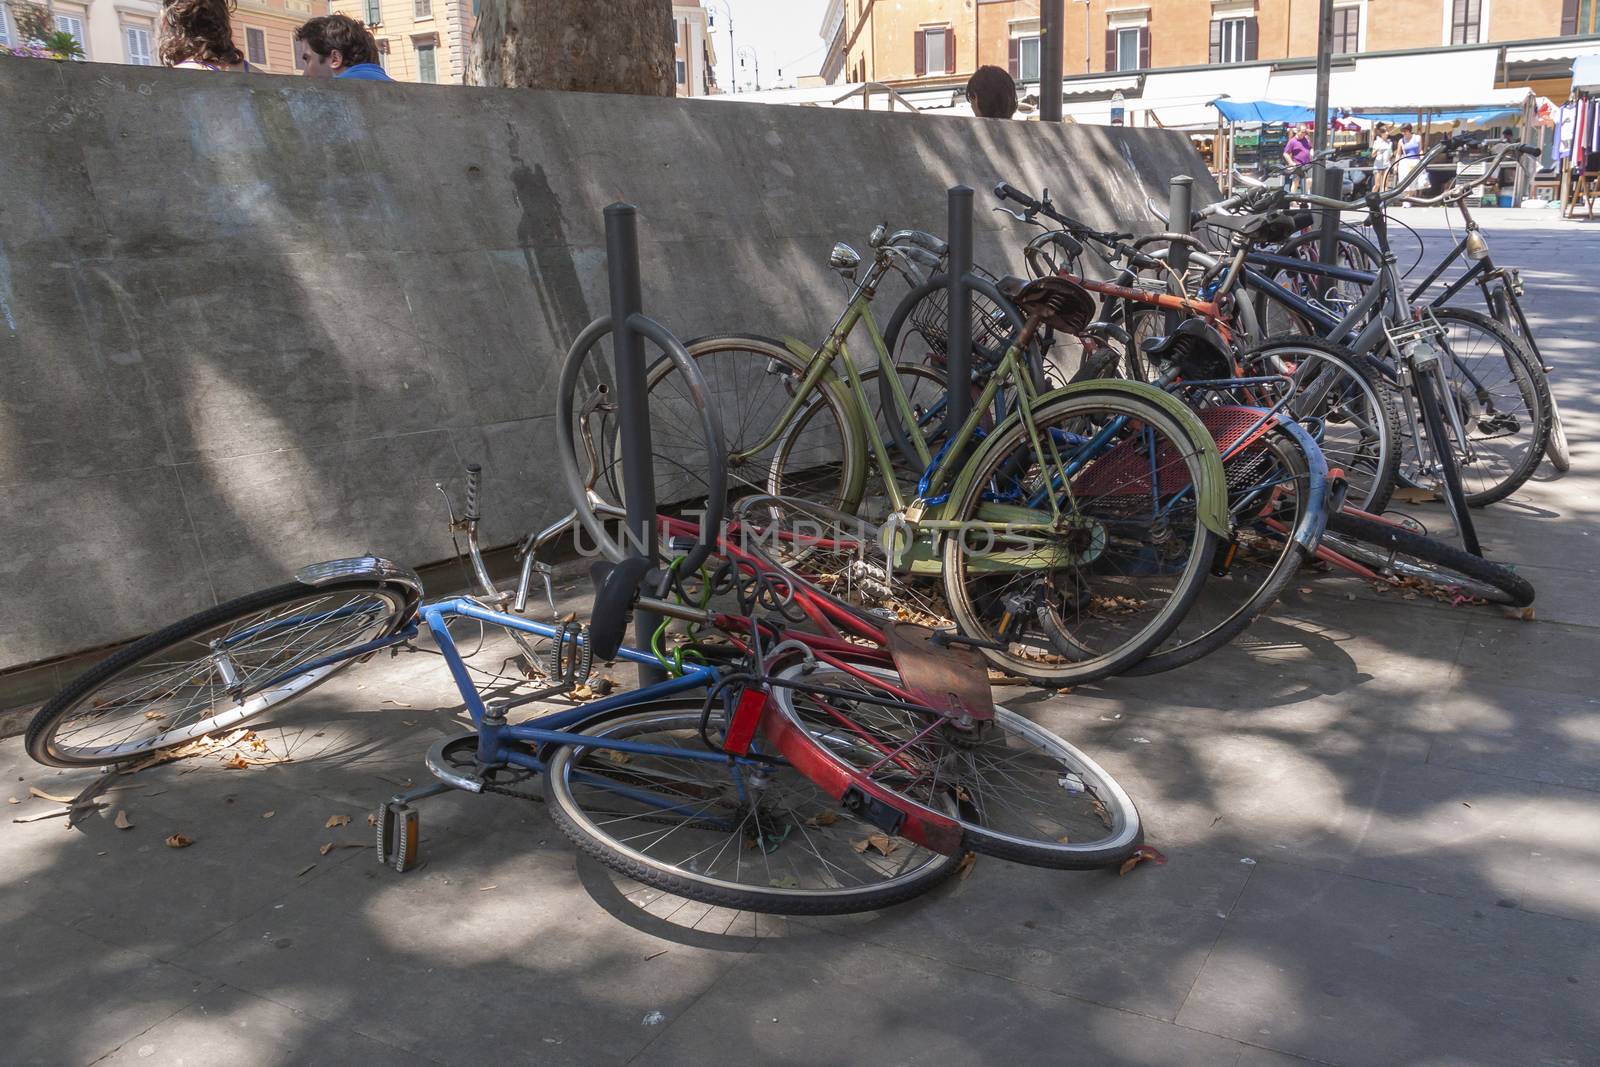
(1071, 528)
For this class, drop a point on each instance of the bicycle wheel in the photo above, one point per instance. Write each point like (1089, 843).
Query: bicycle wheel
(918, 334)
(1336, 295)
(1558, 451)
(1075, 559)
(212, 671)
(751, 382)
(1501, 398)
(713, 832)
(1348, 408)
(1022, 793)
(1268, 488)
(687, 456)
(1394, 551)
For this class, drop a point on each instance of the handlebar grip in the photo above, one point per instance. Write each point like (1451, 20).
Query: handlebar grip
(1532, 150)
(1304, 220)
(474, 473)
(1006, 191)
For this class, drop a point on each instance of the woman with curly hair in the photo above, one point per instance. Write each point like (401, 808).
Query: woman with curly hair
(198, 34)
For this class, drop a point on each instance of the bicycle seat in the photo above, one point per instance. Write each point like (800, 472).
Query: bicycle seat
(615, 587)
(1063, 305)
(1196, 348)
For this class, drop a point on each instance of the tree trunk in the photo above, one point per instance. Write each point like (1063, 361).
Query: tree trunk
(589, 46)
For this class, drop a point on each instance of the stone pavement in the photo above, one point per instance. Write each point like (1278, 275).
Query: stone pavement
(1382, 822)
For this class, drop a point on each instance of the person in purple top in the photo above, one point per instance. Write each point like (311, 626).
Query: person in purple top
(1298, 152)
(337, 46)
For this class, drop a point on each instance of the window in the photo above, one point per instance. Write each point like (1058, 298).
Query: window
(682, 76)
(1129, 44)
(294, 50)
(423, 9)
(936, 51)
(1346, 29)
(1464, 18)
(255, 46)
(425, 68)
(383, 53)
(5, 28)
(374, 13)
(1025, 58)
(74, 25)
(137, 41)
(1580, 16)
(1233, 40)
(675, 35)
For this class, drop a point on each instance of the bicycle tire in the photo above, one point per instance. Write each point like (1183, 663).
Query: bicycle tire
(1099, 592)
(1016, 829)
(827, 820)
(1508, 312)
(1371, 470)
(928, 302)
(1291, 555)
(1558, 451)
(1386, 547)
(43, 740)
(1352, 250)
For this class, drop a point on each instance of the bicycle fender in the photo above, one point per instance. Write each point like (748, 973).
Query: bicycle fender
(1309, 534)
(831, 381)
(1212, 493)
(339, 570)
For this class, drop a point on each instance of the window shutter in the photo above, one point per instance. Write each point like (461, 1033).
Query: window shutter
(922, 53)
(950, 50)
(1569, 17)
(1016, 57)
(1216, 40)
(1252, 38)
(1144, 48)
(1111, 49)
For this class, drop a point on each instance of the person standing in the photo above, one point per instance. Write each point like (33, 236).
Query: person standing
(1382, 157)
(198, 35)
(1409, 153)
(337, 46)
(1297, 153)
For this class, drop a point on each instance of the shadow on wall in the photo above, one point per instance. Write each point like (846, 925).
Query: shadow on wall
(250, 323)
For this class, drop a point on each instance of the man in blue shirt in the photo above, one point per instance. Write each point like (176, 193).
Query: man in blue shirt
(337, 46)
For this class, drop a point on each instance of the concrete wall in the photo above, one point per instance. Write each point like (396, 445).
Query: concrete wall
(247, 322)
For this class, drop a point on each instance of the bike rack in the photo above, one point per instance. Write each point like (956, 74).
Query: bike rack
(1180, 208)
(633, 406)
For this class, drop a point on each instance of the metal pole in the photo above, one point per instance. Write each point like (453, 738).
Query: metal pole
(1332, 186)
(958, 365)
(633, 408)
(1180, 204)
(1319, 136)
(1052, 51)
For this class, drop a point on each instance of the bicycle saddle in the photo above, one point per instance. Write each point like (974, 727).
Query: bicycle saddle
(1197, 349)
(1063, 305)
(615, 587)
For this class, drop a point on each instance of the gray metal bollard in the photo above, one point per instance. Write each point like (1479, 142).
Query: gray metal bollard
(633, 408)
(958, 356)
(1180, 205)
(1331, 185)
(1052, 56)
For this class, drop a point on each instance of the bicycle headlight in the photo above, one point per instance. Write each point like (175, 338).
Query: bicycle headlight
(1477, 247)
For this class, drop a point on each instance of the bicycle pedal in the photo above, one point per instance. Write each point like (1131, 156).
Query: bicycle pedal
(399, 830)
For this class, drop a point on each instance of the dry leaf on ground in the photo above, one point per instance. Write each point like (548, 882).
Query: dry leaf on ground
(879, 843)
(179, 841)
(35, 791)
(155, 715)
(122, 821)
(325, 849)
(307, 869)
(964, 868)
(1140, 854)
(12, 800)
(823, 818)
(336, 821)
(53, 813)
(268, 814)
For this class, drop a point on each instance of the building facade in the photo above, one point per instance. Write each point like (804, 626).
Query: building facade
(124, 31)
(914, 42)
(694, 56)
(418, 40)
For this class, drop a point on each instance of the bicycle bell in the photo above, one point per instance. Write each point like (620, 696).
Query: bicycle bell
(879, 232)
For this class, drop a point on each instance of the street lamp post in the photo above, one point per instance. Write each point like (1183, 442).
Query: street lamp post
(728, 12)
(751, 52)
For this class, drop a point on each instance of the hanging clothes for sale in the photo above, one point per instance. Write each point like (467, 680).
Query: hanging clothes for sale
(1566, 129)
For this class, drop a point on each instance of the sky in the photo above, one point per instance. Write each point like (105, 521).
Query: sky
(784, 34)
